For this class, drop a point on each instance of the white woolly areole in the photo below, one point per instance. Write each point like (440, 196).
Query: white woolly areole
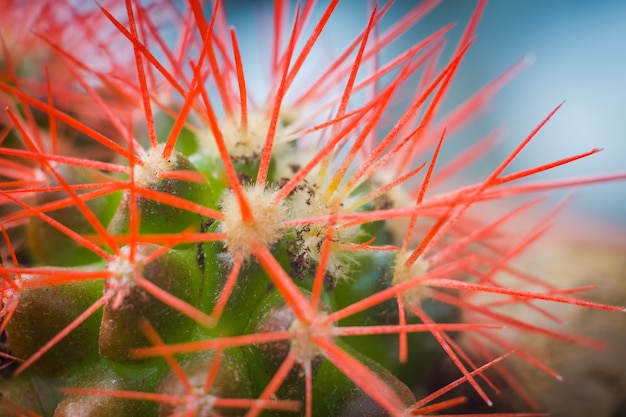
(153, 165)
(266, 227)
(202, 404)
(302, 334)
(10, 299)
(403, 273)
(39, 175)
(242, 144)
(124, 274)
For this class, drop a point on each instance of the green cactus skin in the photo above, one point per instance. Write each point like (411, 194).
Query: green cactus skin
(217, 263)
(48, 245)
(175, 272)
(105, 375)
(343, 398)
(44, 312)
(230, 381)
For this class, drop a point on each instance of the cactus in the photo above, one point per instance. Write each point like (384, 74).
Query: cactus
(171, 248)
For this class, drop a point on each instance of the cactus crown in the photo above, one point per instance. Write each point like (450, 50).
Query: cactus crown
(171, 249)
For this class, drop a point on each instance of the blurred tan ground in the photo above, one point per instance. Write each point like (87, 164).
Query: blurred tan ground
(594, 381)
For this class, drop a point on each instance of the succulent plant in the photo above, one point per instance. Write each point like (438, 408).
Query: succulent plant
(175, 246)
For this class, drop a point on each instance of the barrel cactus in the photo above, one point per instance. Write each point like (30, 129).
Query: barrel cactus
(176, 243)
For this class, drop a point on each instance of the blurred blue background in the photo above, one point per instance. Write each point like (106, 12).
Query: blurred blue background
(579, 53)
(578, 49)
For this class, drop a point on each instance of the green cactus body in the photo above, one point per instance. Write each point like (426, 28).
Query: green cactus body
(266, 261)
